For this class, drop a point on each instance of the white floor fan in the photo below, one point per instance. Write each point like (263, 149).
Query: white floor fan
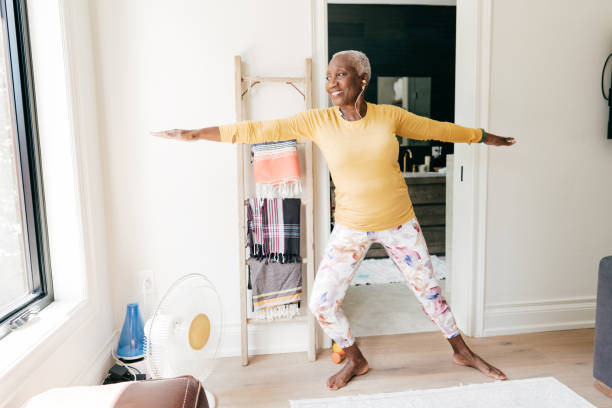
(184, 331)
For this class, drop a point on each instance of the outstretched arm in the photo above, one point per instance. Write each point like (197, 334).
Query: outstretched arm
(417, 127)
(209, 133)
(249, 132)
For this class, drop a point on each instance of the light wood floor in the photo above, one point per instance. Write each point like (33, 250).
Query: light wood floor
(402, 362)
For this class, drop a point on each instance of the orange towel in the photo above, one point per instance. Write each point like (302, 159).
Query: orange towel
(276, 168)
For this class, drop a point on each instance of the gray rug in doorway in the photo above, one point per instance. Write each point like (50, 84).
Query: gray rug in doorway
(545, 392)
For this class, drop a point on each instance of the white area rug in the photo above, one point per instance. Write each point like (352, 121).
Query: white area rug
(546, 392)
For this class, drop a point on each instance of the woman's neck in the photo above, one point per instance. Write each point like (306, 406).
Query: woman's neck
(350, 113)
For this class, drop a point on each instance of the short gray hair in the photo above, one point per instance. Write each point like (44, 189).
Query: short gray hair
(359, 60)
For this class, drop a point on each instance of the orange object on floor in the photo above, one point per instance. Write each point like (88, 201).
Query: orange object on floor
(337, 357)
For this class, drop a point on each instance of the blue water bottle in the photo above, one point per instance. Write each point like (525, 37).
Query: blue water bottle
(131, 340)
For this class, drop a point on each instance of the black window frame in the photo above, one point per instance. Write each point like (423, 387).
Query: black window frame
(21, 88)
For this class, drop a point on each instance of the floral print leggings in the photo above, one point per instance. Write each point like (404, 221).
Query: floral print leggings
(345, 251)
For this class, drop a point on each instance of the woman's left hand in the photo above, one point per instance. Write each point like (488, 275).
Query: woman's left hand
(494, 140)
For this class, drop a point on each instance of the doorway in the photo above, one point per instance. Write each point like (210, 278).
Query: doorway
(470, 162)
(411, 49)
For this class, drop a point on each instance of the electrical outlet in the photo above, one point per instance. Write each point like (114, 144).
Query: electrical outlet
(148, 292)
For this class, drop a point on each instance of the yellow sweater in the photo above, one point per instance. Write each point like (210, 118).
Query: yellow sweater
(362, 155)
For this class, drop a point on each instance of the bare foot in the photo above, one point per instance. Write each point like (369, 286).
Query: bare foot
(462, 355)
(356, 364)
(470, 359)
(342, 377)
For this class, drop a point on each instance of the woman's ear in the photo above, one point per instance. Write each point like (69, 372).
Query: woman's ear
(364, 81)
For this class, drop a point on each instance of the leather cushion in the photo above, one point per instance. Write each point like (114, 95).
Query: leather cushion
(181, 392)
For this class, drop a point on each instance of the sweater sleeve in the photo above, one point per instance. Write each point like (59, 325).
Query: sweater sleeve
(411, 126)
(298, 126)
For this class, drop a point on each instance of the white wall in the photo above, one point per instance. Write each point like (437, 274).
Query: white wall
(172, 206)
(549, 197)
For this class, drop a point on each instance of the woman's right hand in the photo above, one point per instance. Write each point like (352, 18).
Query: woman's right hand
(494, 140)
(179, 134)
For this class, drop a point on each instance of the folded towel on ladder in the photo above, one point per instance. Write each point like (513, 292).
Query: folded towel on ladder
(276, 288)
(274, 229)
(276, 169)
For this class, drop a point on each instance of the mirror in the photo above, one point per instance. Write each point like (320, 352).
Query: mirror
(410, 93)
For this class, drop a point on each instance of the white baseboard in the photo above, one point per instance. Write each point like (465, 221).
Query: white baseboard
(267, 338)
(272, 338)
(528, 317)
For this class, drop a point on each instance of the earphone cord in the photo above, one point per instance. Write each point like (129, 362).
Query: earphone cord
(362, 89)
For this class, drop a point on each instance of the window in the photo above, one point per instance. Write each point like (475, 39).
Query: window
(25, 273)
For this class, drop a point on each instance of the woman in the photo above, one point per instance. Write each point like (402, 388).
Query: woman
(358, 141)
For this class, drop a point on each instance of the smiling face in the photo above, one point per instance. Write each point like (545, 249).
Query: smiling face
(343, 82)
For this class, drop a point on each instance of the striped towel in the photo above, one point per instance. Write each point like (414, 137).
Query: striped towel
(276, 169)
(276, 288)
(274, 229)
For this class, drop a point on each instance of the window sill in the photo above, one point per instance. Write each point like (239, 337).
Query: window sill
(40, 336)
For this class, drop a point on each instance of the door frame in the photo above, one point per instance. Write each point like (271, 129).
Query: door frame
(472, 87)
